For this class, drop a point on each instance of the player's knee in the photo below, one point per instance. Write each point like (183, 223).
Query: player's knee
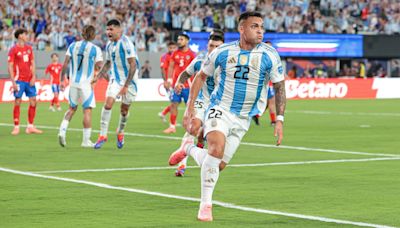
(194, 130)
(222, 166)
(216, 151)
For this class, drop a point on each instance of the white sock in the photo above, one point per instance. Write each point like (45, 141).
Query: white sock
(30, 125)
(122, 122)
(63, 127)
(183, 162)
(187, 136)
(87, 132)
(105, 120)
(209, 177)
(197, 154)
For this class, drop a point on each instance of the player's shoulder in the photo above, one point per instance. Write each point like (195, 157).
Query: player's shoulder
(125, 40)
(224, 48)
(201, 56)
(267, 48)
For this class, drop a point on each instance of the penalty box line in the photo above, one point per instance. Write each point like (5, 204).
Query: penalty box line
(242, 143)
(170, 196)
(230, 165)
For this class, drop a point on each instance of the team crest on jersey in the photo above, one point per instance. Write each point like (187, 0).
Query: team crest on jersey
(187, 57)
(19, 53)
(243, 59)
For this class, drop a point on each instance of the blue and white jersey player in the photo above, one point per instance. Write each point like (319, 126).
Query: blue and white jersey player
(122, 62)
(83, 58)
(245, 67)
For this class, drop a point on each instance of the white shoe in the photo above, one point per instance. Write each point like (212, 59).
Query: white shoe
(62, 141)
(162, 117)
(51, 108)
(59, 109)
(87, 144)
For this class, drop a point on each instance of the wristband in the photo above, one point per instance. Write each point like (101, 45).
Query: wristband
(280, 118)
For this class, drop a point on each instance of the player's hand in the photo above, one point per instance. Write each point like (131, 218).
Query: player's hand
(187, 117)
(167, 85)
(15, 87)
(93, 83)
(278, 132)
(62, 87)
(123, 91)
(178, 88)
(32, 82)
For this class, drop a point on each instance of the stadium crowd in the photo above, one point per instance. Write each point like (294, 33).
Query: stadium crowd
(54, 24)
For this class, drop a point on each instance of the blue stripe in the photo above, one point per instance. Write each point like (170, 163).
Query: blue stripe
(210, 84)
(197, 66)
(239, 94)
(72, 59)
(115, 68)
(86, 104)
(92, 57)
(265, 69)
(123, 59)
(221, 60)
(80, 53)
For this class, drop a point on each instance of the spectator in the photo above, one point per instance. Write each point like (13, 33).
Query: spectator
(145, 69)
(69, 38)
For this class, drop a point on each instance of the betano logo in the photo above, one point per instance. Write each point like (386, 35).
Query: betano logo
(311, 89)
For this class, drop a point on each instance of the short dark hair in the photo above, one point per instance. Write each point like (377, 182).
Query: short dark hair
(247, 14)
(19, 32)
(53, 54)
(114, 22)
(184, 34)
(171, 42)
(217, 35)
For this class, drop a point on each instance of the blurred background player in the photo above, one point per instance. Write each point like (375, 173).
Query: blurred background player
(21, 67)
(54, 69)
(179, 60)
(85, 59)
(164, 64)
(121, 58)
(203, 100)
(245, 66)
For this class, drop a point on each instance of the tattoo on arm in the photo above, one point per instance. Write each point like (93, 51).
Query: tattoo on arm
(280, 97)
(184, 77)
(132, 70)
(104, 69)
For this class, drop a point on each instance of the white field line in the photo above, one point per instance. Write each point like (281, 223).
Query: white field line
(345, 113)
(230, 165)
(222, 204)
(242, 143)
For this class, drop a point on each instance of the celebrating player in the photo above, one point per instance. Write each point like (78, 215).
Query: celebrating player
(245, 67)
(85, 59)
(201, 104)
(21, 67)
(122, 59)
(54, 69)
(180, 59)
(164, 64)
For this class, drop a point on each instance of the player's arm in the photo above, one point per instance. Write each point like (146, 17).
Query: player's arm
(33, 70)
(278, 81)
(12, 76)
(131, 72)
(102, 72)
(170, 73)
(64, 71)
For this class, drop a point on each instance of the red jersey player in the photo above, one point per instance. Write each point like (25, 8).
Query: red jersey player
(180, 59)
(54, 69)
(21, 67)
(164, 64)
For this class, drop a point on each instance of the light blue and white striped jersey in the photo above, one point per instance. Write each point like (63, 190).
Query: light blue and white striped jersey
(118, 53)
(83, 57)
(209, 86)
(244, 77)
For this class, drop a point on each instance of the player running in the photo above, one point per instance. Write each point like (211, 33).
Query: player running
(245, 68)
(54, 69)
(85, 59)
(201, 104)
(164, 64)
(121, 58)
(180, 59)
(21, 67)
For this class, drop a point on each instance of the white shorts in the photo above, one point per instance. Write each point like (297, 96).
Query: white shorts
(232, 126)
(84, 94)
(114, 88)
(201, 107)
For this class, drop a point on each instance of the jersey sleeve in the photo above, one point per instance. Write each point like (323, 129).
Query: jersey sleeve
(108, 57)
(47, 71)
(11, 55)
(130, 49)
(276, 73)
(99, 55)
(69, 50)
(193, 66)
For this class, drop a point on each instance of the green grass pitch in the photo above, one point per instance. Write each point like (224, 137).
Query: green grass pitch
(340, 159)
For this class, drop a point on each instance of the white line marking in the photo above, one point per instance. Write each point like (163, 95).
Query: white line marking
(345, 113)
(242, 143)
(222, 204)
(230, 165)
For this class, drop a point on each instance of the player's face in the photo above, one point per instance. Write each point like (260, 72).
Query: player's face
(212, 44)
(113, 32)
(172, 48)
(23, 37)
(182, 41)
(54, 58)
(252, 30)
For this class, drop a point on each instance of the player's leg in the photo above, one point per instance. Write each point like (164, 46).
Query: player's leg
(123, 119)
(111, 94)
(164, 112)
(73, 98)
(31, 93)
(56, 95)
(17, 106)
(172, 117)
(89, 102)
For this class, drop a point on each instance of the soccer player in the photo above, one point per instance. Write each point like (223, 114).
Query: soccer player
(122, 59)
(164, 64)
(215, 40)
(54, 69)
(85, 59)
(180, 59)
(245, 67)
(21, 67)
